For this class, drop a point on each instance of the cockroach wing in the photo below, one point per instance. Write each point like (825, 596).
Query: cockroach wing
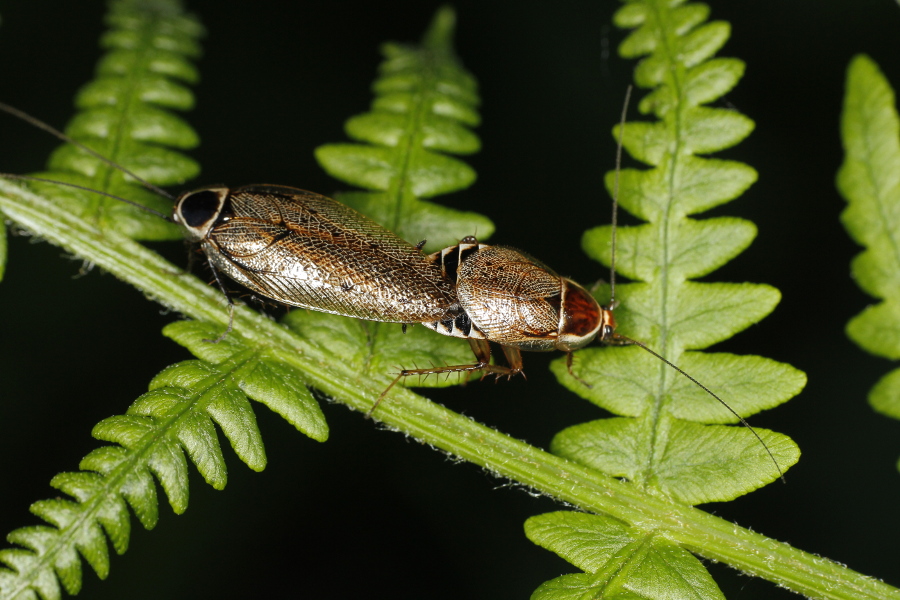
(303, 249)
(510, 297)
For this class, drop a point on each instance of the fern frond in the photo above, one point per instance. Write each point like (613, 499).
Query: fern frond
(618, 561)
(425, 102)
(869, 179)
(124, 115)
(667, 442)
(258, 373)
(176, 417)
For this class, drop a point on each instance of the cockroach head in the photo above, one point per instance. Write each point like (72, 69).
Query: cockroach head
(200, 210)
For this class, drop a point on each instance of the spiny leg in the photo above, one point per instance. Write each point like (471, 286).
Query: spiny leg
(569, 357)
(513, 359)
(482, 351)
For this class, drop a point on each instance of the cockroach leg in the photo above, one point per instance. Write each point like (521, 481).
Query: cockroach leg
(482, 351)
(570, 356)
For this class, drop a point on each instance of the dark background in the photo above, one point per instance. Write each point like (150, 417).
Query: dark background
(373, 513)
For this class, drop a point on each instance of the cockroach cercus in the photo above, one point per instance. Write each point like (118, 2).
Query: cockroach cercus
(302, 249)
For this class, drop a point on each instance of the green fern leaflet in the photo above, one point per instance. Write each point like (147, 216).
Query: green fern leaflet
(870, 181)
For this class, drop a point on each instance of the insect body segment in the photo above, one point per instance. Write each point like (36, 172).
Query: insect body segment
(303, 249)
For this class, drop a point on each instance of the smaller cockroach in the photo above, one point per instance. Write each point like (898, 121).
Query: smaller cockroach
(510, 298)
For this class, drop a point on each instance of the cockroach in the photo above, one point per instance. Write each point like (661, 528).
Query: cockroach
(299, 248)
(302, 249)
(507, 297)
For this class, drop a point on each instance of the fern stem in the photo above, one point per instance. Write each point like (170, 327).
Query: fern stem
(696, 530)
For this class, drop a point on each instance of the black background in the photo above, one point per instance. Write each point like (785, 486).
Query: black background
(370, 512)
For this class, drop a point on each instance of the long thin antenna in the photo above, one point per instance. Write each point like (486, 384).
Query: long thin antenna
(620, 340)
(60, 135)
(615, 204)
(152, 211)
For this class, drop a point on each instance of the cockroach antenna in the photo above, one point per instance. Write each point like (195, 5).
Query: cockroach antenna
(15, 112)
(615, 202)
(617, 339)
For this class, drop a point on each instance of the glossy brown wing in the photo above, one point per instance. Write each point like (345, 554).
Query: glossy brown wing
(510, 297)
(303, 249)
